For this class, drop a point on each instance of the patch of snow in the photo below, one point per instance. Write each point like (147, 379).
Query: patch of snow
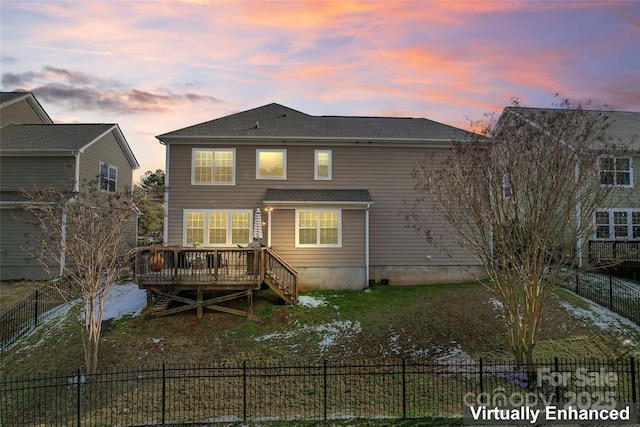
(122, 300)
(455, 356)
(598, 315)
(328, 332)
(496, 304)
(307, 301)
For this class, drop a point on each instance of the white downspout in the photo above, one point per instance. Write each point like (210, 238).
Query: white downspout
(366, 245)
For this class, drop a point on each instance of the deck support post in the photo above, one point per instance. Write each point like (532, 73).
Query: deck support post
(250, 304)
(199, 299)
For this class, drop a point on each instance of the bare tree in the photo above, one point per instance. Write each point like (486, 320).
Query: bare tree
(88, 232)
(520, 200)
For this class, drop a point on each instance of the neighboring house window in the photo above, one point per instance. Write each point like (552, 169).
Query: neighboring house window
(271, 164)
(617, 224)
(108, 177)
(213, 167)
(318, 228)
(322, 164)
(616, 171)
(217, 227)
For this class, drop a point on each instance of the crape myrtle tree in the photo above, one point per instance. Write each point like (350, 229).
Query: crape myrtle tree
(88, 231)
(520, 199)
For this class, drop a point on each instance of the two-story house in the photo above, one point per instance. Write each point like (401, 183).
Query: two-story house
(36, 153)
(331, 191)
(615, 236)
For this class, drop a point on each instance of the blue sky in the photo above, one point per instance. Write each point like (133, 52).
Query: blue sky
(156, 66)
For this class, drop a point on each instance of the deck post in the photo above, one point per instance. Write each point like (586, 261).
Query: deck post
(199, 298)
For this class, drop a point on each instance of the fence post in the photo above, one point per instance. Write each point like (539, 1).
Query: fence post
(78, 398)
(557, 371)
(577, 284)
(164, 391)
(325, 389)
(610, 293)
(481, 379)
(404, 390)
(634, 385)
(244, 391)
(35, 308)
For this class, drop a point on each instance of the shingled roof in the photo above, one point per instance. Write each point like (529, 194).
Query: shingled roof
(33, 138)
(278, 121)
(278, 196)
(50, 137)
(623, 127)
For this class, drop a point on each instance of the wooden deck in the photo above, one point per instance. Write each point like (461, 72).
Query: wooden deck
(618, 252)
(186, 278)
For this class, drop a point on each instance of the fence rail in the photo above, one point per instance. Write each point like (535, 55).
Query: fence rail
(253, 392)
(28, 314)
(609, 292)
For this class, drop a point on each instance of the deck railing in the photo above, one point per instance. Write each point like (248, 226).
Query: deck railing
(603, 251)
(283, 273)
(177, 266)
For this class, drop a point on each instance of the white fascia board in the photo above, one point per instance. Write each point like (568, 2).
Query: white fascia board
(399, 142)
(346, 205)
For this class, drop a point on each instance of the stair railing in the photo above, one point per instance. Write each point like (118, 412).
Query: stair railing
(282, 272)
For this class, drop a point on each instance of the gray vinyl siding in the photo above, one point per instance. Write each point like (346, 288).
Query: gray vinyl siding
(19, 112)
(386, 171)
(350, 254)
(36, 171)
(15, 261)
(106, 150)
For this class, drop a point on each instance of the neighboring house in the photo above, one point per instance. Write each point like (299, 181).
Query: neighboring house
(332, 191)
(35, 153)
(616, 227)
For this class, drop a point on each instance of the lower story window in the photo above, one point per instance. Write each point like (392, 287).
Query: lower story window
(617, 224)
(318, 228)
(217, 227)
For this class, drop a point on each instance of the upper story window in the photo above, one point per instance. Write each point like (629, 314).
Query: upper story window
(318, 228)
(618, 224)
(322, 164)
(217, 227)
(213, 166)
(616, 171)
(108, 177)
(271, 164)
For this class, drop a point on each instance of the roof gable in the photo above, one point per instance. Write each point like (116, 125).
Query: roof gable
(46, 138)
(278, 121)
(10, 98)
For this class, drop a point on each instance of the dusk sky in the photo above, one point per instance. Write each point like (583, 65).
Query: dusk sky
(157, 66)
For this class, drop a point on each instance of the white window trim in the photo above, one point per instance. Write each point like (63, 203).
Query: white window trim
(318, 245)
(206, 212)
(315, 165)
(630, 185)
(109, 167)
(283, 151)
(213, 150)
(612, 236)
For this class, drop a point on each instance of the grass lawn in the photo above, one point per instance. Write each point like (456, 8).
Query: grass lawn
(11, 293)
(432, 322)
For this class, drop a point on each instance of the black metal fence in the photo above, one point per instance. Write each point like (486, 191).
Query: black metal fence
(28, 314)
(609, 292)
(259, 392)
